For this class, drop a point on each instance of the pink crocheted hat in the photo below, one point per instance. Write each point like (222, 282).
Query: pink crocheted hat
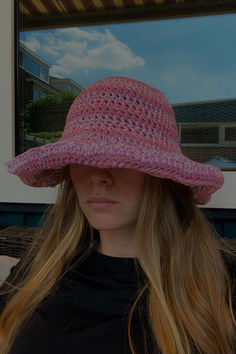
(118, 122)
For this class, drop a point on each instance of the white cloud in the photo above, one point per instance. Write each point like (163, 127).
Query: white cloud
(72, 47)
(33, 44)
(79, 34)
(79, 50)
(114, 55)
(47, 46)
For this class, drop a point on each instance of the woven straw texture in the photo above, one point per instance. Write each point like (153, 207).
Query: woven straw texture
(124, 123)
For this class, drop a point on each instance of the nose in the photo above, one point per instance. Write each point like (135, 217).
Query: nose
(100, 176)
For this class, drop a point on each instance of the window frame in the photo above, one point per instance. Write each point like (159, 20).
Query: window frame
(14, 190)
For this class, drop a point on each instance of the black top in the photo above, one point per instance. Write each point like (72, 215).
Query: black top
(88, 312)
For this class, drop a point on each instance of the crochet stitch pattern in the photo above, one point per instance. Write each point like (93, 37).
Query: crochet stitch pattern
(118, 122)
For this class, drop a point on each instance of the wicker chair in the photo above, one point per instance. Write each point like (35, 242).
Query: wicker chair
(15, 240)
(14, 243)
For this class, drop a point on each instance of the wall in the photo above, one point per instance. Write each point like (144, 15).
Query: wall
(12, 190)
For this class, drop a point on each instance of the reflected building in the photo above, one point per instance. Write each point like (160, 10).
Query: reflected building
(207, 131)
(35, 80)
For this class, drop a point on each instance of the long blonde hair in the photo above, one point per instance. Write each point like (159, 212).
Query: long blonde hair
(188, 293)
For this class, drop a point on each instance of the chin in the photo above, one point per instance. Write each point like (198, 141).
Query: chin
(104, 225)
(109, 222)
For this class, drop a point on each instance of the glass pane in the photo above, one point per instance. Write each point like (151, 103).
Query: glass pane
(31, 65)
(36, 94)
(230, 134)
(199, 135)
(44, 73)
(191, 60)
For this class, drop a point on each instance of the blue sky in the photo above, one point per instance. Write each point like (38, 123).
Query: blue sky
(192, 59)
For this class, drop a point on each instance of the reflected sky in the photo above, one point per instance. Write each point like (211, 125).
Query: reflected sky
(189, 60)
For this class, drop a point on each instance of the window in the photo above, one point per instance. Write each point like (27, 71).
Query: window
(38, 93)
(199, 135)
(191, 60)
(44, 73)
(230, 134)
(31, 65)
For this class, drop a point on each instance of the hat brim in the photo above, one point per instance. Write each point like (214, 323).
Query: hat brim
(42, 166)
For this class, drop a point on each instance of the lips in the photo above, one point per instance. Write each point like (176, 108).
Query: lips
(100, 199)
(100, 202)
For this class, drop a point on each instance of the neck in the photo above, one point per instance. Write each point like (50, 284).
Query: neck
(116, 244)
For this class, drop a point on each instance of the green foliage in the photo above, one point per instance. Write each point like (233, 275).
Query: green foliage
(47, 114)
(51, 136)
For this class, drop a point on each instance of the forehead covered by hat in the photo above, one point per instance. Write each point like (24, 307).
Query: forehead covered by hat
(118, 122)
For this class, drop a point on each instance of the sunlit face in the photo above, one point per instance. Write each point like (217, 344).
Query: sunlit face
(122, 186)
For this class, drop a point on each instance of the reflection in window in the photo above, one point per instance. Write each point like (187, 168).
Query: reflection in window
(31, 66)
(230, 134)
(172, 55)
(199, 135)
(44, 73)
(38, 93)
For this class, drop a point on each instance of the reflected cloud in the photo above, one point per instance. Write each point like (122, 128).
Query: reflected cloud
(83, 50)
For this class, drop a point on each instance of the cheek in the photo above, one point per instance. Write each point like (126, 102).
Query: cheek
(80, 190)
(135, 187)
(79, 179)
(134, 194)
(137, 201)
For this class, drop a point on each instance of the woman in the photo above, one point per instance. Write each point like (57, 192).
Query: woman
(124, 262)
